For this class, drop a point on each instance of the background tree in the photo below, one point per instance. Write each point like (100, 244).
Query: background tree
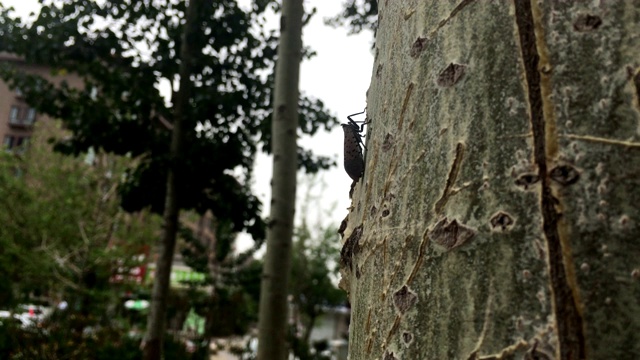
(274, 307)
(314, 267)
(189, 49)
(498, 211)
(124, 50)
(230, 307)
(65, 238)
(357, 15)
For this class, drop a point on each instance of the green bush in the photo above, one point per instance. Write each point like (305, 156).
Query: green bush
(63, 341)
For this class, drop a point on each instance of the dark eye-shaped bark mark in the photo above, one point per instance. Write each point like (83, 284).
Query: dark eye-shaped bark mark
(404, 299)
(451, 234)
(450, 75)
(407, 337)
(390, 356)
(502, 221)
(418, 46)
(526, 180)
(586, 22)
(565, 175)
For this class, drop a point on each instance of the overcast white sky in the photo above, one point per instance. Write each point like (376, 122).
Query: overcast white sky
(339, 76)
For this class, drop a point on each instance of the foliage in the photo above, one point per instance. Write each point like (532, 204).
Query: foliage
(233, 311)
(64, 237)
(316, 250)
(312, 289)
(314, 266)
(232, 306)
(237, 277)
(122, 51)
(60, 342)
(62, 221)
(15, 246)
(358, 15)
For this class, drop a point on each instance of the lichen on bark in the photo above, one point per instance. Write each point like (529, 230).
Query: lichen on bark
(500, 196)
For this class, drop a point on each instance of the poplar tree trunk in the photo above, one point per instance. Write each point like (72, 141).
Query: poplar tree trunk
(498, 215)
(272, 338)
(152, 345)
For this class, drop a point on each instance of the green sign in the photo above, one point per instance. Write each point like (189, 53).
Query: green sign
(179, 276)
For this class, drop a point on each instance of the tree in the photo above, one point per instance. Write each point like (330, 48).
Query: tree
(315, 266)
(63, 222)
(496, 217)
(358, 15)
(272, 325)
(314, 263)
(231, 304)
(65, 238)
(124, 50)
(188, 51)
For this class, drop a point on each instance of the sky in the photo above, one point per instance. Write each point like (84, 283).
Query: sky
(339, 75)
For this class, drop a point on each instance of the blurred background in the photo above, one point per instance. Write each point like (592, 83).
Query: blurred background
(79, 225)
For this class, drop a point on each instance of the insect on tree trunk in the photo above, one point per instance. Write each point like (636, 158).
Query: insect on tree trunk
(272, 340)
(498, 213)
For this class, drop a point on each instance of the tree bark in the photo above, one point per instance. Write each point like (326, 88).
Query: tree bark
(498, 213)
(152, 345)
(272, 344)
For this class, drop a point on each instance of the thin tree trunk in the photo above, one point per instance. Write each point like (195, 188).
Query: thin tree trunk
(272, 336)
(157, 314)
(208, 222)
(309, 328)
(498, 214)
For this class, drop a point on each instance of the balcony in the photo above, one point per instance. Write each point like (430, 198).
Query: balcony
(15, 144)
(21, 117)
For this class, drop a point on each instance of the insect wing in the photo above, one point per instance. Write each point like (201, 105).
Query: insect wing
(353, 160)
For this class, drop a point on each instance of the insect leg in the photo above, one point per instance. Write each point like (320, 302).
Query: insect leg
(353, 121)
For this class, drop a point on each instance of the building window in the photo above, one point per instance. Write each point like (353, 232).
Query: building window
(31, 116)
(22, 117)
(18, 143)
(19, 93)
(21, 144)
(21, 141)
(8, 142)
(14, 114)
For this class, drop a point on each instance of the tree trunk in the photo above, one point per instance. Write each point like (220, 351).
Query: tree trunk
(152, 345)
(498, 213)
(272, 336)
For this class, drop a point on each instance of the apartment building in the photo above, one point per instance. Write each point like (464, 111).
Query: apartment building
(16, 116)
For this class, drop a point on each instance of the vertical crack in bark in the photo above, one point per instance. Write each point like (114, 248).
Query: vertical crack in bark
(636, 83)
(453, 13)
(405, 104)
(451, 179)
(569, 323)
